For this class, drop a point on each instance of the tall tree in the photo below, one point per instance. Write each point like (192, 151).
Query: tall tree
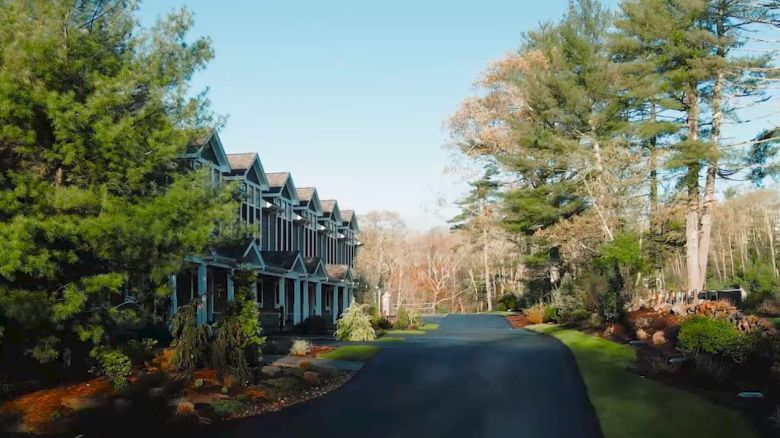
(688, 46)
(478, 217)
(94, 111)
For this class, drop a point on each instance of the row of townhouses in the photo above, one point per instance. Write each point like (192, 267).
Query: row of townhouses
(303, 254)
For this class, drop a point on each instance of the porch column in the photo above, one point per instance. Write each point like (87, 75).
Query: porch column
(334, 307)
(345, 298)
(281, 299)
(202, 300)
(297, 302)
(231, 293)
(174, 299)
(254, 290)
(318, 299)
(305, 299)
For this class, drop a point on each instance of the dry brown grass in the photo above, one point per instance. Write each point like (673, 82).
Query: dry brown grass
(535, 314)
(185, 409)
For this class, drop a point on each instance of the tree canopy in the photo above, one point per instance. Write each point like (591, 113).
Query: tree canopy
(94, 204)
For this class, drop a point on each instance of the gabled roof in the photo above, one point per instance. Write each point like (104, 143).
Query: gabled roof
(243, 251)
(285, 261)
(209, 147)
(308, 196)
(350, 219)
(316, 268)
(248, 166)
(280, 182)
(338, 272)
(331, 209)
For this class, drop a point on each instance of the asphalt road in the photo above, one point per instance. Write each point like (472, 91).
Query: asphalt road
(473, 377)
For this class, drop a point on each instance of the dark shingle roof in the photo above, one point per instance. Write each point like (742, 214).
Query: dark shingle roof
(234, 250)
(280, 259)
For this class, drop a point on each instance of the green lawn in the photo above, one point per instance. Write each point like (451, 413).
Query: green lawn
(428, 326)
(352, 352)
(628, 405)
(404, 332)
(389, 339)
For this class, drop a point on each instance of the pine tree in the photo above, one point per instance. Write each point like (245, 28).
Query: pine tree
(478, 216)
(94, 111)
(686, 46)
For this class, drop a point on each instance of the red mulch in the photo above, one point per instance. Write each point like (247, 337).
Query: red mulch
(657, 321)
(518, 321)
(38, 408)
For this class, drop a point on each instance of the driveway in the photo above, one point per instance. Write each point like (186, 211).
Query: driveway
(473, 377)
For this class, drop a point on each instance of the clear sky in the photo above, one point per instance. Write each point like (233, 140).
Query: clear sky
(350, 96)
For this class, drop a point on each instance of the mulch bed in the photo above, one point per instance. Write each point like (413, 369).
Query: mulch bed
(163, 400)
(518, 321)
(37, 409)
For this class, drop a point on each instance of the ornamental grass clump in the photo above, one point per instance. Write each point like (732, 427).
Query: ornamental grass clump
(300, 347)
(535, 314)
(355, 325)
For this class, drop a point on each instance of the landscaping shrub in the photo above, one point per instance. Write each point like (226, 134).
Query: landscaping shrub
(595, 320)
(610, 306)
(406, 320)
(577, 316)
(185, 409)
(508, 301)
(550, 314)
(229, 407)
(300, 347)
(535, 314)
(139, 351)
(355, 325)
(381, 323)
(716, 336)
(315, 325)
(115, 365)
(233, 334)
(190, 341)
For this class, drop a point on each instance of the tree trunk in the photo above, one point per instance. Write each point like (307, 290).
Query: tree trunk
(692, 217)
(487, 269)
(712, 167)
(653, 165)
(770, 234)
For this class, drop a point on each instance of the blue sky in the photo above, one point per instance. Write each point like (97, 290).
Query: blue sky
(350, 96)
